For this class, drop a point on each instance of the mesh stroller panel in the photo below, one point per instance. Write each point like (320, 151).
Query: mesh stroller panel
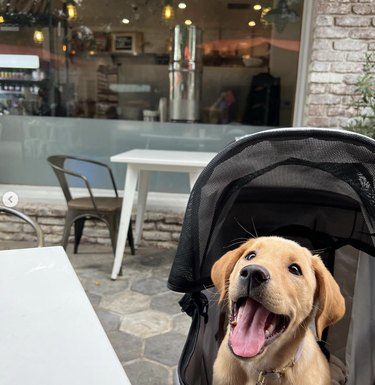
(315, 186)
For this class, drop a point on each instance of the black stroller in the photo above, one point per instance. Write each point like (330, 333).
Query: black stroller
(315, 186)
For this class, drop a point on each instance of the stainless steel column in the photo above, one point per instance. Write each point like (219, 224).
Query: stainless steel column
(185, 74)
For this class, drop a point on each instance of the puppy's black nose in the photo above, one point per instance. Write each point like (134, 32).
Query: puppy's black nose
(253, 276)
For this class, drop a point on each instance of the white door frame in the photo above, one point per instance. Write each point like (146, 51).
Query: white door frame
(303, 64)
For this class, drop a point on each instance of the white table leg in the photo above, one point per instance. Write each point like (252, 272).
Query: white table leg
(126, 212)
(143, 186)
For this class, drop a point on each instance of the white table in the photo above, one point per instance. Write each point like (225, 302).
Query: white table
(140, 164)
(49, 331)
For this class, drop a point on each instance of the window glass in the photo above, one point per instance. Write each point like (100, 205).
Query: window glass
(211, 61)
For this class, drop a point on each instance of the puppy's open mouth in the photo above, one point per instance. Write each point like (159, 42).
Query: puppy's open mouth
(253, 327)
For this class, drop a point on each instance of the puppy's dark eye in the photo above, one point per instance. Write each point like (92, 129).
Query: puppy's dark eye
(295, 269)
(251, 255)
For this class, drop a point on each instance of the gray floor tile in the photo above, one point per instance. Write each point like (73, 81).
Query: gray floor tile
(143, 372)
(165, 348)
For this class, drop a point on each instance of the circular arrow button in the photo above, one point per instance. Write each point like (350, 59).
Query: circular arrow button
(10, 199)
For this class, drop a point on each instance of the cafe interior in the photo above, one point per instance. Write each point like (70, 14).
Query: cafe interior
(164, 74)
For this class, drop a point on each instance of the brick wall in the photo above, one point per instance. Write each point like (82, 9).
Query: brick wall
(161, 229)
(344, 30)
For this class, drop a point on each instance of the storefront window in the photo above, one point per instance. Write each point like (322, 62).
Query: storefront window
(211, 61)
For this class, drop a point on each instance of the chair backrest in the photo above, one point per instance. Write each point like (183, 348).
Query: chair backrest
(57, 164)
(27, 219)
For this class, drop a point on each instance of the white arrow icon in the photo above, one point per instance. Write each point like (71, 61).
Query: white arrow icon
(10, 199)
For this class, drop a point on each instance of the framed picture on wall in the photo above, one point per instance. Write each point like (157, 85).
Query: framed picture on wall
(101, 41)
(127, 42)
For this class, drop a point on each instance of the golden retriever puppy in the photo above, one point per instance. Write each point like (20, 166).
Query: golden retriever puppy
(275, 290)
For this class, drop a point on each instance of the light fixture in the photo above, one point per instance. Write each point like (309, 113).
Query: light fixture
(38, 36)
(71, 10)
(188, 22)
(2, 20)
(257, 7)
(125, 21)
(168, 11)
(251, 23)
(182, 5)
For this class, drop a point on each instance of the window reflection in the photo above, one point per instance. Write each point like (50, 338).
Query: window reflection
(117, 60)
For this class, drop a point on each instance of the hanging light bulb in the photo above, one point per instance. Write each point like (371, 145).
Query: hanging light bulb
(168, 11)
(2, 20)
(71, 10)
(38, 36)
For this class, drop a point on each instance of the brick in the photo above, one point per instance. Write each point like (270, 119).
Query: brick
(156, 236)
(168, 227)
(318, 122)
(326, 8)
(348, 100)
(9, 218)
(318, 110)
(340, 89)
(51, 238)
(316, 88)
(317, 77)
(51, 221)
(320, 66)
(350, 79)
(149, 226)
(328, 56)
(332, 33)
(165, 245)
(352, 21)
(96, 232)
(174, 218)
(154, 216)
(347, 67)
(324, 99)
(337, 111)
(11, 236)
(363, 33)
(324, 20)
(349, 45)
(371, 46)
(10, 227)
(322, 44)
(364, 9)
(355, 56)
(100, 241)
(176, 236)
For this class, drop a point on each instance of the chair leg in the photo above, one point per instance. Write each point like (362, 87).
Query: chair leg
(131, 239)
(78, 230)
(112, 226)
(68, 225)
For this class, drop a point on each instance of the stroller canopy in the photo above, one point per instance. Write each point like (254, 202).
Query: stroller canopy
(297, 182)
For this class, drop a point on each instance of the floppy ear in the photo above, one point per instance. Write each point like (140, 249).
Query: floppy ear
(331, 302)
(222, 269)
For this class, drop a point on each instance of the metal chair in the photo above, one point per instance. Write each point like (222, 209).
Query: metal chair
(27, 219)
(106, 209)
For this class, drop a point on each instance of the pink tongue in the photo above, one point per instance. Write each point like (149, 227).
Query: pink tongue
(247, 337)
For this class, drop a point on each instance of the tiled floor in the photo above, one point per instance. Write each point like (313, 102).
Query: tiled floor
(140, 314)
